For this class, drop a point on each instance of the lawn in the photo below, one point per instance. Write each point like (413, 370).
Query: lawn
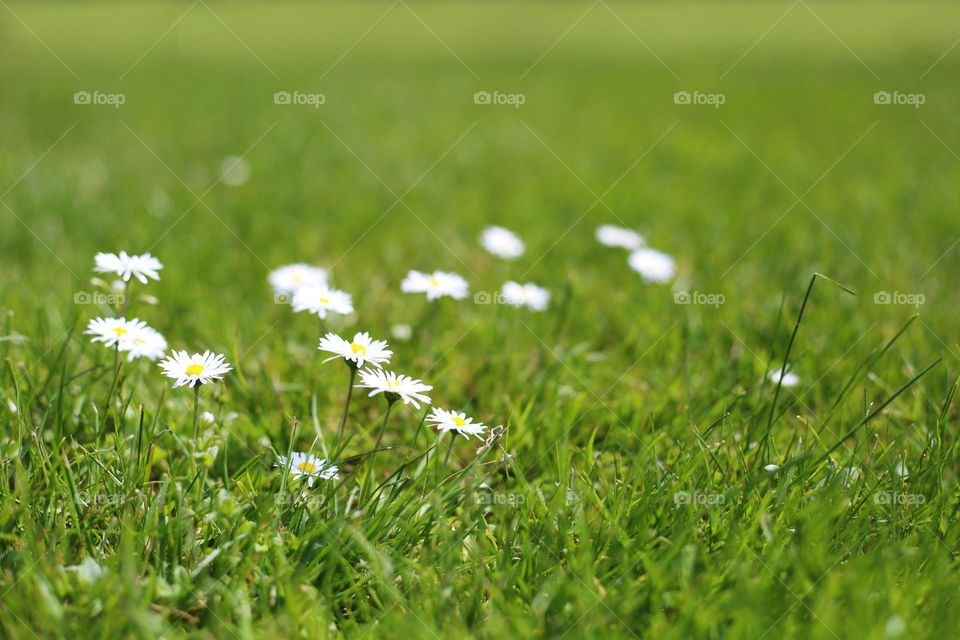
(641, 474)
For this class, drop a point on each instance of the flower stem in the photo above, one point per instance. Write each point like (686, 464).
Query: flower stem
(126, 299)
(346, 407)
(196, 408)
(371, 470)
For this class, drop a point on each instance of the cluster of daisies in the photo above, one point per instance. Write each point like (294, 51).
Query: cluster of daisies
(365, 357)
(135, 338)
(307, 287)
(652, 265)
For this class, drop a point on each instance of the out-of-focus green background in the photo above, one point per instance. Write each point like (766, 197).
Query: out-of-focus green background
(799, 171)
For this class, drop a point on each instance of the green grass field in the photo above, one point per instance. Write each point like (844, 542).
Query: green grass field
(630, 493)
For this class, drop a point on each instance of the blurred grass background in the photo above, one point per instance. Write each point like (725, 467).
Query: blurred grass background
(717, 188)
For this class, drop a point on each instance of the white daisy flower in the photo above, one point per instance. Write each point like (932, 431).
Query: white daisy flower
(196, 369)
(502, 243)
(446, 421)
(112, 331)
(208, 417)
(123, 265)
(525, 295)
(613, 236)
(395, 387)
(133, 337)
(788, 379)
(435, 285)
(321, 299)
(287, 279)
(143, 342)
(362, 350)
(305, 465)
(653, 265)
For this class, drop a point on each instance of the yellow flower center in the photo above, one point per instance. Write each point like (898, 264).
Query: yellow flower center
(194, 369)
(358, 348)
(119, 331)
(434, 282)
(460, 422)
(324, 300)
(306, 467)
(297, 279)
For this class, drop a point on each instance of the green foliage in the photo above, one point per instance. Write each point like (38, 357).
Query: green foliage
(628, 494)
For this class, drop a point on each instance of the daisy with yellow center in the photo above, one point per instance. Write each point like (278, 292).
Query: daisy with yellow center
(306, 465)
(395, 387)
(321, 300)
(435, 285)
(445, 421)
(194, 370)
(133, 337)
(360, 351)
(291, 277)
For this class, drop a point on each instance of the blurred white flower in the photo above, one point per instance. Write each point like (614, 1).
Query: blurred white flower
(196, 369)
(445, 421)
(208, 417)
(12, 406)
(305, 465)
(140, 267)
(362, 350)
(652, 265)
(143, 342)
(502, 243)
(234, 171)
(401, 331)
(525, 295)
(771, 468)
(320, 300)
(87, 571)
(614, 236)
(788, 379)
(435, 285)
(289, 278)
(395, 387)
(902, 470)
